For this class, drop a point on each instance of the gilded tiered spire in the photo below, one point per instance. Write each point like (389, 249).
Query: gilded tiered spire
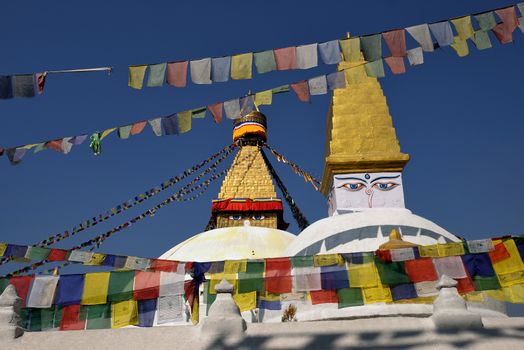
(360, 133)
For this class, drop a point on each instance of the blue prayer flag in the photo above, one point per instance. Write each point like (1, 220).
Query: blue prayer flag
(336, 80)
(334, 277)
(403, 291)
(269, 305)
(15, 250)
(330, 52)
(146, 312)
(478, 265)
(442, 32)
(220, 69)
(6, 88)
(69, 290)
(116, 261)
(169, 125)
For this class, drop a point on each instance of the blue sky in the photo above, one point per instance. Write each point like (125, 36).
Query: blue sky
(460, 119)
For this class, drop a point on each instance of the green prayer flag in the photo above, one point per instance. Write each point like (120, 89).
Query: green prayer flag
(157, 73)
(209, 298)
(375, 69)
(265, 61)
(301, 261)
(37, 253)
(58, 316)
(486, 20)
(349, 297)
(136, 76)
(368, 257)
(372, 47)
(99, 316)
(253, 278)
(4, 282)
(120, 286)
(392, 273)
(280, 89)
(47, 317)
(481, 40)
(486, 283)
(25, 315)
(35, 320)
(199, 113)
(183, 121)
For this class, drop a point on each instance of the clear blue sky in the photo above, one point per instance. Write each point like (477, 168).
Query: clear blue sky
(460, 119)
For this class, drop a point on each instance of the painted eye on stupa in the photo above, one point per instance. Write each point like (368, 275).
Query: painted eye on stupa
(235, 217)
(353, 187)
(258, 217)
(385, 186)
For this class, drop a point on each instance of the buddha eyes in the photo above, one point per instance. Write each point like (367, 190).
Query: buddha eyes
(357, 186)
(253, 217)
(235, 217)
(353, 187)
(258, 217)
(385, 186)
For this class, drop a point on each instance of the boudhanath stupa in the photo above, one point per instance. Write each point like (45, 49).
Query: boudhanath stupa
(366, 213)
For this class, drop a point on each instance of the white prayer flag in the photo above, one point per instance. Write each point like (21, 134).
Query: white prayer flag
(306, 279)
(80, 256)
(42, 292)
(318, 85)
(156, 126)
(426, 289)
(172, 283)
(201, 71)
(415, 56)
(232, 108)
(421, 34)
(307, 56)
(135, 263)
(170, 309)
(451, 266)
(480, 246)
(402, 254)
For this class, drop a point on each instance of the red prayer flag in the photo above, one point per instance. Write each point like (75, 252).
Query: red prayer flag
(278, 275)
(55, 145)
(396, 64)
(21, 284)
(71, 319)
(302, 90)
(396, 42)
(164, 265)
(137, 128)
(504, 31)
(147, 285)
(40, 82)
(324, 297)
(177, 73)
(499, 253)
(57, 255)
(216, 111)
(465, 285)
(421, 270)
(285, 58)
(384, 255)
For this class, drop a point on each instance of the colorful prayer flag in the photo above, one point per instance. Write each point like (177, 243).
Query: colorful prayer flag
(125, 313)
(278, 277)
(264, 98)
(252, 279)
(396, 64)
(177, 74)
(422, 36)
(396, 42)
(375, 69)
(172, 283)
(23, 85)
(318, 85)
(98, 316)
(336, 80)
(307, 56)
(241, 66)
(156, 126)
(120, 286)
(480, 246)
(157, 74)
(392, 273)
(220, 68)
(504, 31)
(334, 277)
(460, 46)
(22, 284)
(324, 297)
(463, 26)
(478, 265)
(95, 288)
(421, 270)
(306, 278)
(450, 266)
(183, 122)
(330, 52)
(201, 71)
(246, 301)
(371, 47)
(486, 21)
(265, 61)
(170, 309)
(481, 40)
(216, 111)
(362, 275)
(169, 125)
(137, 128)
(442, 32)
(40, 82)
(349, 297)
(146, 312)
(73, 318)
(285, 58)
(232, 108)
(302, 90)
(124, 131)
(403, 291)
(136, 76)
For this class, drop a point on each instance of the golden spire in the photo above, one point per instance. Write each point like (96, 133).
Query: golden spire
(396, 241)
(360, 133)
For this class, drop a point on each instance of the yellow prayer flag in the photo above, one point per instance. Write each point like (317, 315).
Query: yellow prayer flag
(234, 266)
(125, 313)
(3, 247)
(450, 249)
(96, 259)
(195, 312)
(327, 260)
(264, 97)
(266, 296)
(95, 288)
(476, 297)
(216, 278)
(419, 300)
(246, 301)
(514, 294)
(354, 50)
(497, 294)
(136, 76)
(512, 264)
(106, 133)
(362, 275)
(30, 146)
(512, 278)
(378, 294)
(460, 46)
(241, 66)
(428, 251)
(463, 27)
(184, 121)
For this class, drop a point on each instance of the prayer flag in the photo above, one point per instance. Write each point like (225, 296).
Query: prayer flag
(138, 127)
(422, 36)
(428, 251)
(480, 246)
(3, 248)
(164, 265)
(402, 254)
(147, 285)
(336, 80)
(116, 261)
(403, 291)
(481, 40)
(451, 248)
(302, 261)
(334, 277)
(201, 71)
(285, 58)
(264, 98)
(486, 21)
(136, 76)
(396, 64)
(169, 125)
(57, 254)
(146, 312)
(307, 56)
(504, 31)
(442, 32)
(98, 316)
(362, 275)
(269, 305)
(330, 52)
(265, 61)
(463, 26)
(95, 288)
(40, 82)
(66, 145)
(216, 267)
(124, 131)
(120, 286)
(23, 85)
(421, 270)
(278, 278)
(157, 73)
(247, 104)
(510, 265)
(47, 317)
(170, 309)
(396, 42)
(499, 252)
(22, 284)
(460, 46)
(125, 313)
(306, 278)
(252, 279)
(199, 113)
(280, 89)
(183, 122)
(486, 283)
(216, 112)
(16, 251)
(302, 90)
(80, 256)
(35, 253)
(345, 48)
(232, 108)
(450, 266)
(323, 297)
(241, 66)
(349, 297)
(106, 133)
(371, 47)
(73, 318)
(465, 285)
(6, 88)
(69, 289)
(375, 69)
(318, 85)
(15, 155)
(352, 50)
(246, 301)
(378, 294)
(156, 126)
(172, 283)
(392, 273)
(327, 260)
(177, 74)
(478, 265)
(426, 288)
(220, 68)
